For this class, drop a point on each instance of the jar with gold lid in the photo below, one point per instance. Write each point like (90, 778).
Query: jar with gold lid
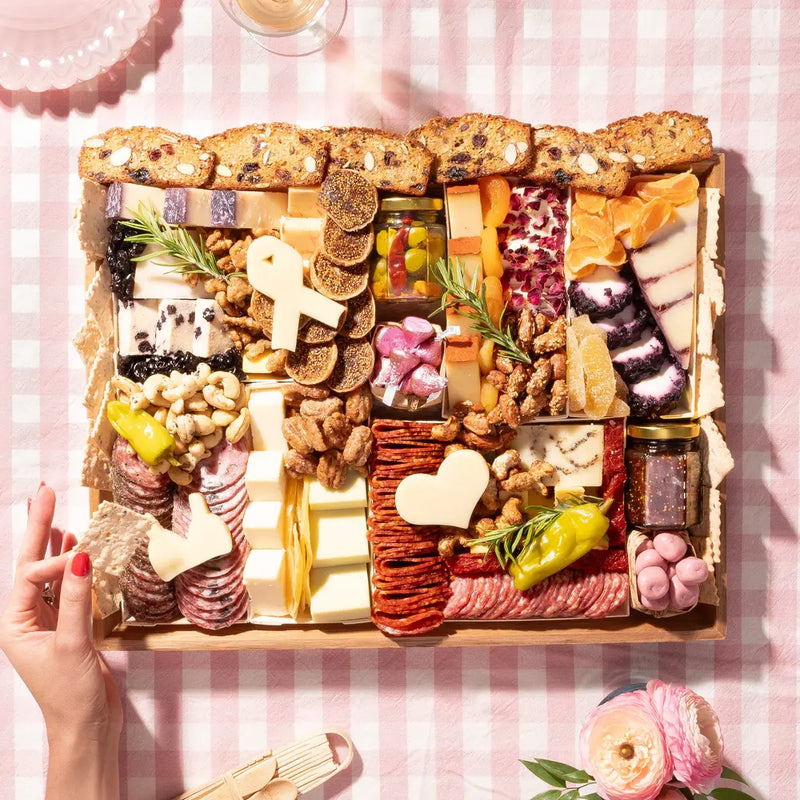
(409, 238)
(664, 475)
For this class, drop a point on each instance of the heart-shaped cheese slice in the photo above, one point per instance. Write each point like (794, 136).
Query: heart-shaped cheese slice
(447, 498)
(208, 537)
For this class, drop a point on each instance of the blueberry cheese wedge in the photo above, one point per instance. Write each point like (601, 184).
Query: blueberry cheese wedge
(659, 393)
(604, 293)
(641, 358)
(626, 326)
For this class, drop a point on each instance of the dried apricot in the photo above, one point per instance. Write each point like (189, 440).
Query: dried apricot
(598, 372)
(495, 199)
(486, 357)
(616, 258)
(576, 387)
(494, 297)
(623, 211)
(677, 189)
(489, 395)
(589, 201)
(490, 253)
(653, 216)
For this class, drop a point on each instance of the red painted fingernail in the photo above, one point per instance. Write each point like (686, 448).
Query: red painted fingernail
(29, 506)
(80, 565)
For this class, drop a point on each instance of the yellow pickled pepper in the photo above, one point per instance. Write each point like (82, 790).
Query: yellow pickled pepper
(145, 434)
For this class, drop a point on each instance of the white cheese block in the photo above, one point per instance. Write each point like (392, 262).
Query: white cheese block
(136, 327)
(303, 201)
(266, 419)
(210, 335)
(464, 212)
(339, 537)
(264, 475)
(123, 199)
(302, 233)
(339, 594)
(263, 525)
(576, 452)
(257, 365)
(265, 577)
(352, 495)
(175, 326)
(153, 278)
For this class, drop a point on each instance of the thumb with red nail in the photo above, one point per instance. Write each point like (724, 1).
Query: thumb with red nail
(46, 632)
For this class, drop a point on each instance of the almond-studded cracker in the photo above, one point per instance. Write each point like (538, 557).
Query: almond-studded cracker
(710, 395)
(96, 468)
(717, 458)
(88, 339)
(708, 220)
(711, 283)
(101, 372)
(98, 300)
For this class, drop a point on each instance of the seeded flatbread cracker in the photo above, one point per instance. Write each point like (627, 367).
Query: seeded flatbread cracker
(107, 593)
(710, 283)
(98, 300)
(708, 385)
(708, 221)
(112, 537)
(96, 468)
(102, 432)
(717, 458)
(100, 373)
(88, 339)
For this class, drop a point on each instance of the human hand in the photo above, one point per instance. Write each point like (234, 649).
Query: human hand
(51, 648)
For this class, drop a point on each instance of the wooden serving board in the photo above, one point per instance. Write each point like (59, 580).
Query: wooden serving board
(703, 623)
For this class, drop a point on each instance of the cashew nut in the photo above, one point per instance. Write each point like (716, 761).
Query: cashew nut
(229, 382)
(124, 385)
(203, 425)
(196, 405)
(188, 461)
(185, 388)
(223, 418)
(177, 407)
(202, 372)
(179, 476)
(153, 388)
(238, 427)
(161, 467)
(243, 399)
(180, 448)
(138, 400)
(215, 396)
(213, 439)
(197, 448)
(185, 428)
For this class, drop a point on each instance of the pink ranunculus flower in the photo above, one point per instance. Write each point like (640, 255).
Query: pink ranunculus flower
(624, 749)
(693, 734)
(670, 794)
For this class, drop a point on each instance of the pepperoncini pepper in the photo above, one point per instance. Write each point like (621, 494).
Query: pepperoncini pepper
(573, 532)
(145, 434)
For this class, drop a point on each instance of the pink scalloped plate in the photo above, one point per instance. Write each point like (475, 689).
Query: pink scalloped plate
(53, 44)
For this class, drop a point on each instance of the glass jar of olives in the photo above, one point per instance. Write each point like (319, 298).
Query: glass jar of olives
(409, 238)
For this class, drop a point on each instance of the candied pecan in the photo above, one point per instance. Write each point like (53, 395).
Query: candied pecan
(509, 410)
(532, 406)
(295, 393)
(495, 416)
(246, 323)
(511, 513)
(484, 526)
(460, 410)
(504, 463)
(276, 362)
(214, 285)
(483, 444)
(239, 291)
(303, 435)
(358, 405)
(490, 499)
(358, 447)
(542, 374)
(558, 361)
(497, 379)
(298, 465)
(477, 423)
(532, 479)
(258, 348)
(319, 409)
(525, 327)
(335, 427)
(516, 381)
(540, 323)
(332, 470)
(558, 397)
(447, 431)
(504, 364)
(453, 447)
(553, 339)
(218, 241)
(448, 544)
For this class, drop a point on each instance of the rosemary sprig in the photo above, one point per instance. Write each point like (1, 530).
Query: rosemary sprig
(450, 275)
(507, 543)
(190, 253)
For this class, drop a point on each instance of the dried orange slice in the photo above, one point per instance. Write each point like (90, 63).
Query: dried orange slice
(616, 258)
(623, 211)
(589, 201)
(598, 229)
(653, 216)
(677, 189)
(495, 199)
(581, 254)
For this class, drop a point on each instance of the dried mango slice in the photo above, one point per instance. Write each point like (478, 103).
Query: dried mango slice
(623, 212)
(653, 216)
(495, 199)
(490, 253)
(598, 372)
(576, 386)
(618, 408)
(677, 189)
(589, 201)
(582, 327)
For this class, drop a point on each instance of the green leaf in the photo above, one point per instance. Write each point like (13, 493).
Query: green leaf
(572, 794)
(592, 796)
(543, 774)
(550, 794)
(730, 794)
(558, 768)
(729, 775)
(577, 776)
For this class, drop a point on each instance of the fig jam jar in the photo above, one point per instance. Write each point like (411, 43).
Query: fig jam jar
(664, 474)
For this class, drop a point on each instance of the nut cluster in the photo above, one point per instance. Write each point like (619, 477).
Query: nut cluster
(326, 433)
(197, 409)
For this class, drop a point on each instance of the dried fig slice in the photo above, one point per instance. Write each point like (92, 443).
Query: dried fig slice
(337, 282)
(310, 364)
(360, 319)
(346, 248)
(349, 199)
(354, 365)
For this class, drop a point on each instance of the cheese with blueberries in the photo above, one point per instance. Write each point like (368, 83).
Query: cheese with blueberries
(210, 335)
(175, 326)
(136, 327)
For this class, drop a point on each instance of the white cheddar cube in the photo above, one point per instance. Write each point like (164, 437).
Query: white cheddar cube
(263, 524)
(266, 419)
(210, 335)
(340, 594)
(303, 201)
(265, 579)
(136, 327)
(339, 537)
(264, 476)
(352, 495)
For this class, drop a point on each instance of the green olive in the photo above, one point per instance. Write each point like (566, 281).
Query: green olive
(416, 260)
(436, 248)
(382, 243)
(379, 270)
(417, 237)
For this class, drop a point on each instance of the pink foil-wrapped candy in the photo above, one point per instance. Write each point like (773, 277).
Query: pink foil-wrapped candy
(383, 371)
(424, 381)
(402, 361)
(387, 337)
(417, 330)
(431, 351)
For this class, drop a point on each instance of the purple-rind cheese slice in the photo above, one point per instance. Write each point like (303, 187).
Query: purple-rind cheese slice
(175, 206)
(114, 201)
(223, 208)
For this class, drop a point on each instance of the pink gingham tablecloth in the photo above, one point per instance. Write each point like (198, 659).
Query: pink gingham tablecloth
(430, 723)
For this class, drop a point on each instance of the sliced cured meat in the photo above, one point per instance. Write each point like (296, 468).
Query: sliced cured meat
(626, 326)
(147, 598)
(474, 564)
(213, 621)
(135, 486)
(659, 393)
(604, 293)
(642, 357)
